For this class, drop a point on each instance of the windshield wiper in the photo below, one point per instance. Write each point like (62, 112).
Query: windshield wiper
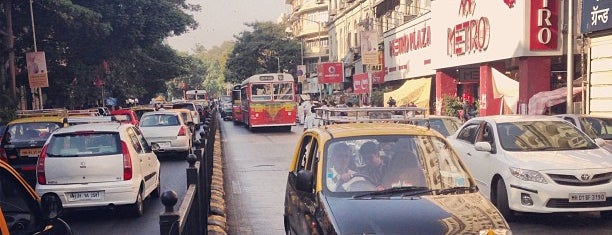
(442, 191)
(392, 191)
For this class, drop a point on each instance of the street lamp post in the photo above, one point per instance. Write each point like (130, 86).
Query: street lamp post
(278, 64)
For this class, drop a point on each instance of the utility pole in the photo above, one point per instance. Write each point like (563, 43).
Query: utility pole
(570, 58)
(11, 44)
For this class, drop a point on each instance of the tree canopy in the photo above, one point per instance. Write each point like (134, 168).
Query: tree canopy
(261, 51)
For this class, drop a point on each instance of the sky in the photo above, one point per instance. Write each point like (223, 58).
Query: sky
(220, 20)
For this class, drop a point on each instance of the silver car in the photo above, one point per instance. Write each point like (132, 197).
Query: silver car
(167, 132)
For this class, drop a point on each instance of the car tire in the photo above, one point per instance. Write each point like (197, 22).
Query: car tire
(501, 201)
(157, 191)
(137, 209)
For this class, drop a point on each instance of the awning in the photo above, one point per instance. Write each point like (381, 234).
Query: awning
(413, 90)
(507, 89)
(544, 99)
(385, 6)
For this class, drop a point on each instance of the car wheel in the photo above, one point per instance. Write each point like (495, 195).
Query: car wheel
(501, 201)
(157, 191)
(137, 209)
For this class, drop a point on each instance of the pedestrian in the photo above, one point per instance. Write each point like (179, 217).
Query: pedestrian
(312, 120)
(391, 102)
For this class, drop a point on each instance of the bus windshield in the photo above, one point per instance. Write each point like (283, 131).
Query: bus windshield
(269, 91)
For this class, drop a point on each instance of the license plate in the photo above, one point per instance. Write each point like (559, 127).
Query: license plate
(587, 197)
(164, 144)
(83, 196)
(30, 152)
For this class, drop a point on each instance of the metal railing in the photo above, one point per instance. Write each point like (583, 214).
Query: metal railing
(191, 216)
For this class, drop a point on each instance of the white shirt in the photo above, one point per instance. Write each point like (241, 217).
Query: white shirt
(311, 120)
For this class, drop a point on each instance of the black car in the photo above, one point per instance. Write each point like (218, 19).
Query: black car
(225, 107)
(383, 178)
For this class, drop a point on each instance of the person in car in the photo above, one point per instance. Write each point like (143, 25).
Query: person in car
(375, 166)
(339, 171)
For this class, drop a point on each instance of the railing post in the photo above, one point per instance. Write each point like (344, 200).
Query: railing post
(169, 219)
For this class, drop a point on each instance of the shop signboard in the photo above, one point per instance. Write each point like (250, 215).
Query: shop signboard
(361, 83)
(595, 16)
(330, 72)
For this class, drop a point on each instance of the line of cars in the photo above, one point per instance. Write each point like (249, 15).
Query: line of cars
(95, 161)
(441, 176)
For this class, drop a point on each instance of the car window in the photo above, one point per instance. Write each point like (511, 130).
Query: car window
(32, 131)
(569, 119)
(18, 206)
(191, 107)
(159, 120)
(84, 144)
(303, 153)
(542, 136)
(143, 142)
(134, 140)
(468, 133)
(597, 127)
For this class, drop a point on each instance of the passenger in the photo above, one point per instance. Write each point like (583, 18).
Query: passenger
(339, 170)
(375, 164)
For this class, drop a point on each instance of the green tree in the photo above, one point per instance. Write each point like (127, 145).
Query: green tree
(257, 51)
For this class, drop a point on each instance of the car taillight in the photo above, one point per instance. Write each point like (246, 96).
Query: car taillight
(182, 131)
(40, 166)
(127, 161)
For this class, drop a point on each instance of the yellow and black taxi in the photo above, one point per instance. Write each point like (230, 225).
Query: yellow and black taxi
(23, 212)
(370, 173)
(24, 137)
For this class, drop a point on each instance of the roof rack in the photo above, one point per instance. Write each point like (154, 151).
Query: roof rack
(372, 114)
(42, 113)
(84, 112)
(75, 120)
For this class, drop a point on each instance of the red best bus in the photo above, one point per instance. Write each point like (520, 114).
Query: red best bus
(268, 100)
(236, 107)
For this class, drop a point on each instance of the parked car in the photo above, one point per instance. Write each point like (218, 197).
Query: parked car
(382, 178)
(192, 107)
(99, 165)
(187, 118)
(593, 126)
(446, 125)
(125, 116)
(24, 137)
(225, 107)
(167, 132)
(538, 164)
(22, 211)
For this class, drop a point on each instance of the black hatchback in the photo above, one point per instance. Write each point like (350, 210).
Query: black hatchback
(383, 178)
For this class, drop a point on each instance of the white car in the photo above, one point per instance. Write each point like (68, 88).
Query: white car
(593, 126)
(99, 165)
(539, 164)
(167, 132)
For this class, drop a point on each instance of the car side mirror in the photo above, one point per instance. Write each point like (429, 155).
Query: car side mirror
(483, 146)
(51, 206)
(304, 181)
(600, 142)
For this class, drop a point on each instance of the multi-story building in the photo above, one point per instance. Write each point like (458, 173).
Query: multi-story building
(307, 22)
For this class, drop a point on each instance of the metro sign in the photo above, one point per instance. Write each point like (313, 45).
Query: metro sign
(544, 26)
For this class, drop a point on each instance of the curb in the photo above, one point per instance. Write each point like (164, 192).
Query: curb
(217, 220)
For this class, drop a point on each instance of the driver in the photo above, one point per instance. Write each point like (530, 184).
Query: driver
(375, 164)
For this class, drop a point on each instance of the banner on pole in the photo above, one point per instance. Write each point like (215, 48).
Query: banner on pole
(37, 69)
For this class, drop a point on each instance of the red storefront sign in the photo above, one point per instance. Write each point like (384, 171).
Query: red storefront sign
(378, 77)
(361, 83)
(544, 25)
(331, 72)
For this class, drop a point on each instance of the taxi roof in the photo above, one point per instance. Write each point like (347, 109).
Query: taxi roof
(375, 128)
(58, 119)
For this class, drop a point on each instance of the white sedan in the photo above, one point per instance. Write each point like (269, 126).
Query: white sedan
(167, 132)
(538, 164)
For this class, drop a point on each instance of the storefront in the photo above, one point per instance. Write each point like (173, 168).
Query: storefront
(407, 62)
(474, 40)
(598, 31)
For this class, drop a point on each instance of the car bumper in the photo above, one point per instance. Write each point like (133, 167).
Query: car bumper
(553, 198)
(180, 144)
(115, 193)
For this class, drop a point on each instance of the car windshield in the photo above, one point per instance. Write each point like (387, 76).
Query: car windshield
(159, 120)
(84, 144)
(366, 164)
(31, 131)
(191, 107)
(542, 136)
(597, 127)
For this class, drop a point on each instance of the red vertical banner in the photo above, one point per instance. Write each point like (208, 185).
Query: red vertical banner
(330, 72)
(544, 25)
(378, 77)
(361, 83)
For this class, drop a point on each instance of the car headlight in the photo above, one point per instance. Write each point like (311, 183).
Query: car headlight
(528, 175)
(499, 231)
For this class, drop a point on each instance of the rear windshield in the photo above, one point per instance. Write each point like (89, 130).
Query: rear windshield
(84, 144)
(31, 131)
(184, 106)
(122, 117)
(159, 120)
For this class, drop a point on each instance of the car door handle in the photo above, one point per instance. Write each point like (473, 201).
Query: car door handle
(469, 154)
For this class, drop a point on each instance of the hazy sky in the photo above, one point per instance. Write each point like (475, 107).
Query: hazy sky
(220, 20)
